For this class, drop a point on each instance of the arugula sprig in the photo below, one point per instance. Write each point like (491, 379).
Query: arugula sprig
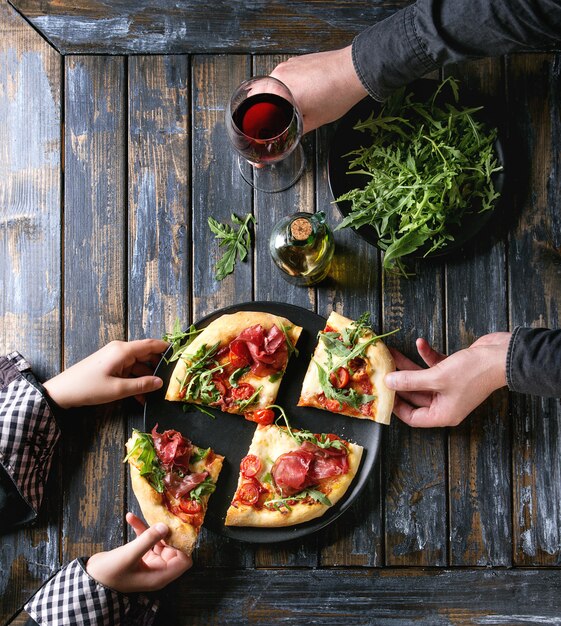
(245, 404)
(300, 436)
(203, 489)
(179, 339)
(147, 460)
(237, 242)
(284, 503)
(197, 379)
(428, 164)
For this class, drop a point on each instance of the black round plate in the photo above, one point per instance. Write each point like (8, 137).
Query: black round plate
(231, 435)
(346, 139)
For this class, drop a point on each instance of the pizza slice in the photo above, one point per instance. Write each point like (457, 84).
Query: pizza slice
(291, 476)
(236, 364)
(172, 480)
(347, 370)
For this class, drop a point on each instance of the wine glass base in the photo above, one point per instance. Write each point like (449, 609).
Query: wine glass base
(277, 176)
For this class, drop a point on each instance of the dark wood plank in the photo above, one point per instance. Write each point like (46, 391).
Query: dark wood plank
(94, 306)
(159, 211)
(217, 190)
(415, 459)
(352, 288)
(388, 597)
(273, 26)
(479, 449)
(535, 300)
(271, 286)
(30, 275)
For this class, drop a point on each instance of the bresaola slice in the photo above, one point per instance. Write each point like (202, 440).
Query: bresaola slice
(289, 477)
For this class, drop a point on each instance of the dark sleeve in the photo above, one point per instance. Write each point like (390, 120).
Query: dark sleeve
(28, 436)
(431, 33)
(533, 363)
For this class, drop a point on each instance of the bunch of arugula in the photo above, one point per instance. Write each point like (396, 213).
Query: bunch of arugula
(236, 242)
(341, 348)
(150, 468)
(428, 165)
(179, 339)
(199, 369)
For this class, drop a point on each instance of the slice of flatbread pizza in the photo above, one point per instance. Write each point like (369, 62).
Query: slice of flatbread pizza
(172, 480)
(347, 370)
(236, 363)
(291, 476)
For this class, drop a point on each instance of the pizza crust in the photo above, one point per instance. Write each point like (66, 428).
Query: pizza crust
(223, 330)
(182, 535)
(381, 362)
(268, 443)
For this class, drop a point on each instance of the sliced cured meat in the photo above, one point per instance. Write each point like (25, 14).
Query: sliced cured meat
(172, 448)
(179, 486)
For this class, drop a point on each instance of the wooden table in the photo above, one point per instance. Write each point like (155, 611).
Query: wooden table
(109, 167)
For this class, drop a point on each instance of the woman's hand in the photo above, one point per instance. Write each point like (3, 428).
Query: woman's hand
(144, 564)
(324, 85)
(451, 387)
(120, 369)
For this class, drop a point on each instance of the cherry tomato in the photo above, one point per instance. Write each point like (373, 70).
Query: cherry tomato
(261, 416)
(331, 405)
(190, 506)
(243, 391)
(340, 379)
(250, 465)
(329, 329)
(182, 393)
(248, 493)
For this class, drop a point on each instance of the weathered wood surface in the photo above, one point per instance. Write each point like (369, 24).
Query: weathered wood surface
(195, 26)
(146, 161)
(30, 271)
(388, 597)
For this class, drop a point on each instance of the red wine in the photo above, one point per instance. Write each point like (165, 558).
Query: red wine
(269, 127)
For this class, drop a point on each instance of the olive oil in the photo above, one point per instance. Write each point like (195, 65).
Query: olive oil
(302, 247)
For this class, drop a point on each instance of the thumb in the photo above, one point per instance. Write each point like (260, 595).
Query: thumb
(126, 387)
(144, 542)
(411, 380)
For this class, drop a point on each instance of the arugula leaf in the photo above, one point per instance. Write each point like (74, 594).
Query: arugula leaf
(179, 339)
(237, 374)
(300, 436)
(276, 376)
(147, 460)
(236, 241)
(197, 380)
(291, 347)
(428, 164)
(199, 455)
(203, 489)
(283, 503)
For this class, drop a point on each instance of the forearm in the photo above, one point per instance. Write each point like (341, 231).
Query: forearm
(534, 362)
(432, 33)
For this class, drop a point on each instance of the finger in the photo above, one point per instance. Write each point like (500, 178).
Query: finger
(125, 387)
(414, 417)
(417, 398)
(145, 349)
(402, 362)
(428, 354)
(136, 524)
(147, 540)
(407, 380)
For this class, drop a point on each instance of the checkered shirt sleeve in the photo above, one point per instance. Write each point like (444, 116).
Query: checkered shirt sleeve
(73, 597)
(28, 430)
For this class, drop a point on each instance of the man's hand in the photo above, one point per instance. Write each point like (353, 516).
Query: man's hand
(451, 387)
(324, 85)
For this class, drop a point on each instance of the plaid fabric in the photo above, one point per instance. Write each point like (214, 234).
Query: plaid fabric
(28, 430)
(73, 597)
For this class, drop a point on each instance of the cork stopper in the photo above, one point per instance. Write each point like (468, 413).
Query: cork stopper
(301, 229)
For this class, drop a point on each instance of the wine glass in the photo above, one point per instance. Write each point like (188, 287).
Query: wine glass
(264, 125)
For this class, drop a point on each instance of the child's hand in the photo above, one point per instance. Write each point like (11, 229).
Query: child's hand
(144, 564)
(118, 370)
